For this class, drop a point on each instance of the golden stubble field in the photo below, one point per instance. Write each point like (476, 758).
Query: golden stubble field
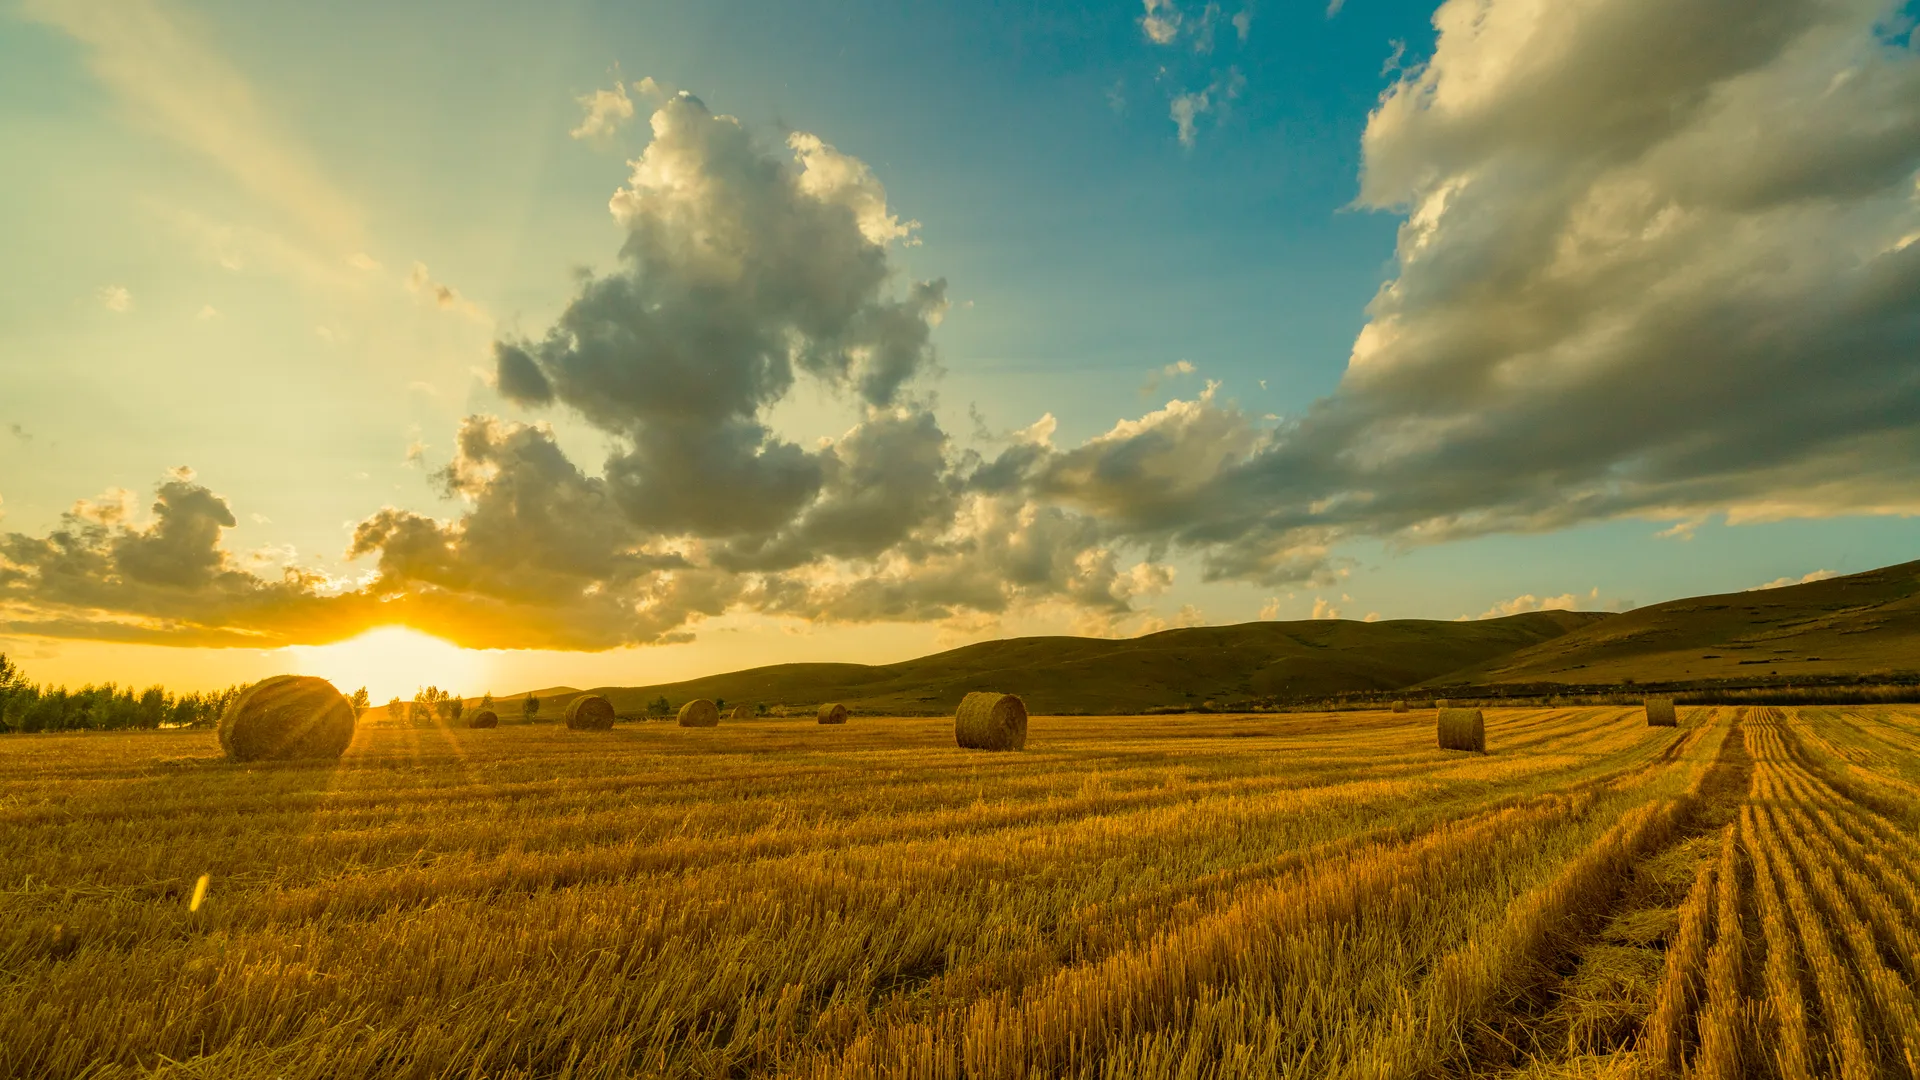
(1279, 895)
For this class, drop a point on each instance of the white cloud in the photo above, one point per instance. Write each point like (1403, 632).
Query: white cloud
(116, 298)
(1270, 609)
(1324, 610)
(1161, 23)
(1186, 109)
(207, 313)
(1681, 530)
(1372, 616)
(1526, 602)
(1805, 579)
(604, 112)
(1243, 24)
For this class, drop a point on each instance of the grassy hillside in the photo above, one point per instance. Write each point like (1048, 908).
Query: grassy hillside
(1170, 668)
(1861, 624)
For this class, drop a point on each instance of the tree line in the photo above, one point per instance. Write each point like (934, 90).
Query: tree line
(29, 706)
(431, 703)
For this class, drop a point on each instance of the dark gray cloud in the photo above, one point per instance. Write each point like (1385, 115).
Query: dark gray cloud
(99, 575)
(741, 268)
(1660, 260)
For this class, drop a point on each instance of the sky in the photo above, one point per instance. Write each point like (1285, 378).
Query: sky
(498, 346)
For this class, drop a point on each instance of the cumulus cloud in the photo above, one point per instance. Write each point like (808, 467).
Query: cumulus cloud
(1617, 295)
(603, 112)
(1656, 262)
(1526, 602)
(116, 298)
(741, 270)
(104, 574)
(1782, 582)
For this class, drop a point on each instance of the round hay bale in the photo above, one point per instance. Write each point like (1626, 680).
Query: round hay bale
(699, 713)
(485, 718)
(287, 716)
(1463, 729)
(1660, 713)
(989, 721)
(590, 712)
(741, 712)
(833, 713)
(1399, 706)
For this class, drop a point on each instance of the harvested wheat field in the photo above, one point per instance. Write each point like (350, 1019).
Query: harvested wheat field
(1280, 895)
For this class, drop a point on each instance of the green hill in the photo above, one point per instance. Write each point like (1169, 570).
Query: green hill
(1170, 668)
(1862, 624)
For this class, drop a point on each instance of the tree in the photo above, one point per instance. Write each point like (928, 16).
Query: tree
(486, 700)
(659, 706)
(360, 702)
(13, 685)
(394, 708)
(456, 707)
(530, 707)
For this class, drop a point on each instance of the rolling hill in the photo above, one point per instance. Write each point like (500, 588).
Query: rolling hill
(1171, 668)
(1861, 624)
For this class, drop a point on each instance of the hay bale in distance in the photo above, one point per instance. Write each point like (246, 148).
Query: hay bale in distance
(989, 721)
(590, 712)
(485, 718)
(833, 713)
(699, 713)
(287, 716)
(1463, 729)
(1660, 713)
(741, 712)
(1399, 706)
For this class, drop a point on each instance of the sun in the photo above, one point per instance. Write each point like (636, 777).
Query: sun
(393, 661)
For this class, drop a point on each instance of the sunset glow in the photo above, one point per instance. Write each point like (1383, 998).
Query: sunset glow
(392, 661)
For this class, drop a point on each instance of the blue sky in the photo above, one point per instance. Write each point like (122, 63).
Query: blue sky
(279, 245)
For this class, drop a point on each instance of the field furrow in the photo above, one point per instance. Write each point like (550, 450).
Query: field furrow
(1285, 895)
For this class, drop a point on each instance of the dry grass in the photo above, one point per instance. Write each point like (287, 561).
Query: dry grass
(1299, 895)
